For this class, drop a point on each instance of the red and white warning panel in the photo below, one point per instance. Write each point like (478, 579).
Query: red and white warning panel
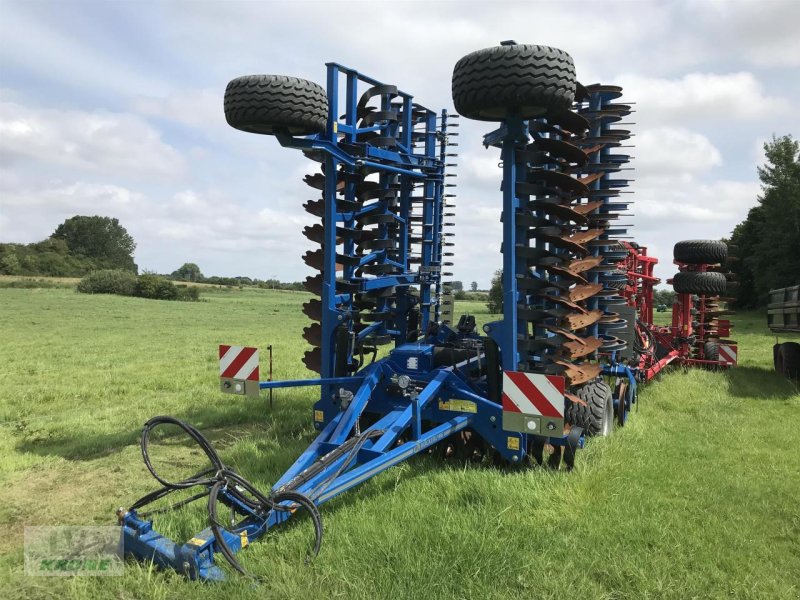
(728, 354)
(533, 403)
(238, 370)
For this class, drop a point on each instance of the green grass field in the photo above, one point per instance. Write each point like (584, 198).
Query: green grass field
(697, 497)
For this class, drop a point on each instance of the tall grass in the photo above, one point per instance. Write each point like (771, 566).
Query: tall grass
(695, 498)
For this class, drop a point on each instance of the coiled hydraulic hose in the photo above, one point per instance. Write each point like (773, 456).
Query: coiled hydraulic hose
(221, 477)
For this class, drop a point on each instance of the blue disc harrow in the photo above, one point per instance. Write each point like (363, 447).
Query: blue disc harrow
(516, 393)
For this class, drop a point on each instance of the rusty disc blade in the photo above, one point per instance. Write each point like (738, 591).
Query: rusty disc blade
(313, 309)
(315, 207)
(313, 360)
(584, 264)
(578, 374)
(313, 284)
(313, 334)
(582, 292)
(609, 92)
(561, 149)
(569, 120)
(561, 211)
(562, 272)
(559, 181)
(585, 209)
(564, 242)
(579, 320)
(564, 301)
(575, 349)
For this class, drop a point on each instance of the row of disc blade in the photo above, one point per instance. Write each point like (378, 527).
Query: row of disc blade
(371, 237)
(604, 112)
(569, 205)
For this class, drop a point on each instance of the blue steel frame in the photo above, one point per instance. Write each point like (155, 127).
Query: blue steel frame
(421, 413)
(412, 418)
(417, 417)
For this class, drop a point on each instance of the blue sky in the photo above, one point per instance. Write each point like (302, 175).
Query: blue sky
(115, 108)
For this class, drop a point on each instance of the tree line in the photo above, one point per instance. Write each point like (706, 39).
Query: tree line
(767, 243)
(78, 246)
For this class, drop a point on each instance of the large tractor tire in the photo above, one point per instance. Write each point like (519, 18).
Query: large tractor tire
(777, 358)
(271, 104)
(711, 351)
(703, 284)
(700, 252)
(790, 360)
(597, 417)
(521, 79)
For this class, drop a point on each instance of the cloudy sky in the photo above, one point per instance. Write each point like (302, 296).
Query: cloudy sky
(115, 108)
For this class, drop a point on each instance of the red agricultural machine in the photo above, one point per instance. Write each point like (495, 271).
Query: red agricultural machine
(563, 361)
(697, 336)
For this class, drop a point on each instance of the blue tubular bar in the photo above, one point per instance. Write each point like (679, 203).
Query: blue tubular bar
(196, 558)
(397, 455)
(357, 405)
(289, 383)
(511, 328)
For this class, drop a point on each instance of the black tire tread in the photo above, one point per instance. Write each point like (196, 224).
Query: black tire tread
(702, 284)
(270, 104)
(489, 84)
(790, 360)
(777, 358)
(590, 417)
(699, 252)
(711, 351)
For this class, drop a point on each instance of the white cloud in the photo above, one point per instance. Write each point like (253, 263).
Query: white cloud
(674, 151)
(695, 70)
(96, 141)
(193, 224)
(197, 108)
(481, 169)
(699, 96)
(761, 33)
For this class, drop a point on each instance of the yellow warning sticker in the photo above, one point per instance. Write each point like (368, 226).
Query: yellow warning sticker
(464, 406)
(244, 540)
(319, 416)
(335, 127)
(196, 542)
(513, 443)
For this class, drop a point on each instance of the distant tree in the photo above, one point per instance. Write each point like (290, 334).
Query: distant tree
(495, 303)
(457, 286)
(666, 297)
(187, 272)
(767, 242)
(474, 286)
(99, 238)
(9, 263)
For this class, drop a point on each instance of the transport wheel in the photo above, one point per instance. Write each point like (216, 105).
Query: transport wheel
(790, 360)
(700, 252)
(706, 284)
(520, 79)
(711, 350)
(597, 417)
(777, 358)
(270, 104)
(621, 393)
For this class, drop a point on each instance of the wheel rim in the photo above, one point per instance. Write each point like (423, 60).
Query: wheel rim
(623, 398)
(608, 418)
